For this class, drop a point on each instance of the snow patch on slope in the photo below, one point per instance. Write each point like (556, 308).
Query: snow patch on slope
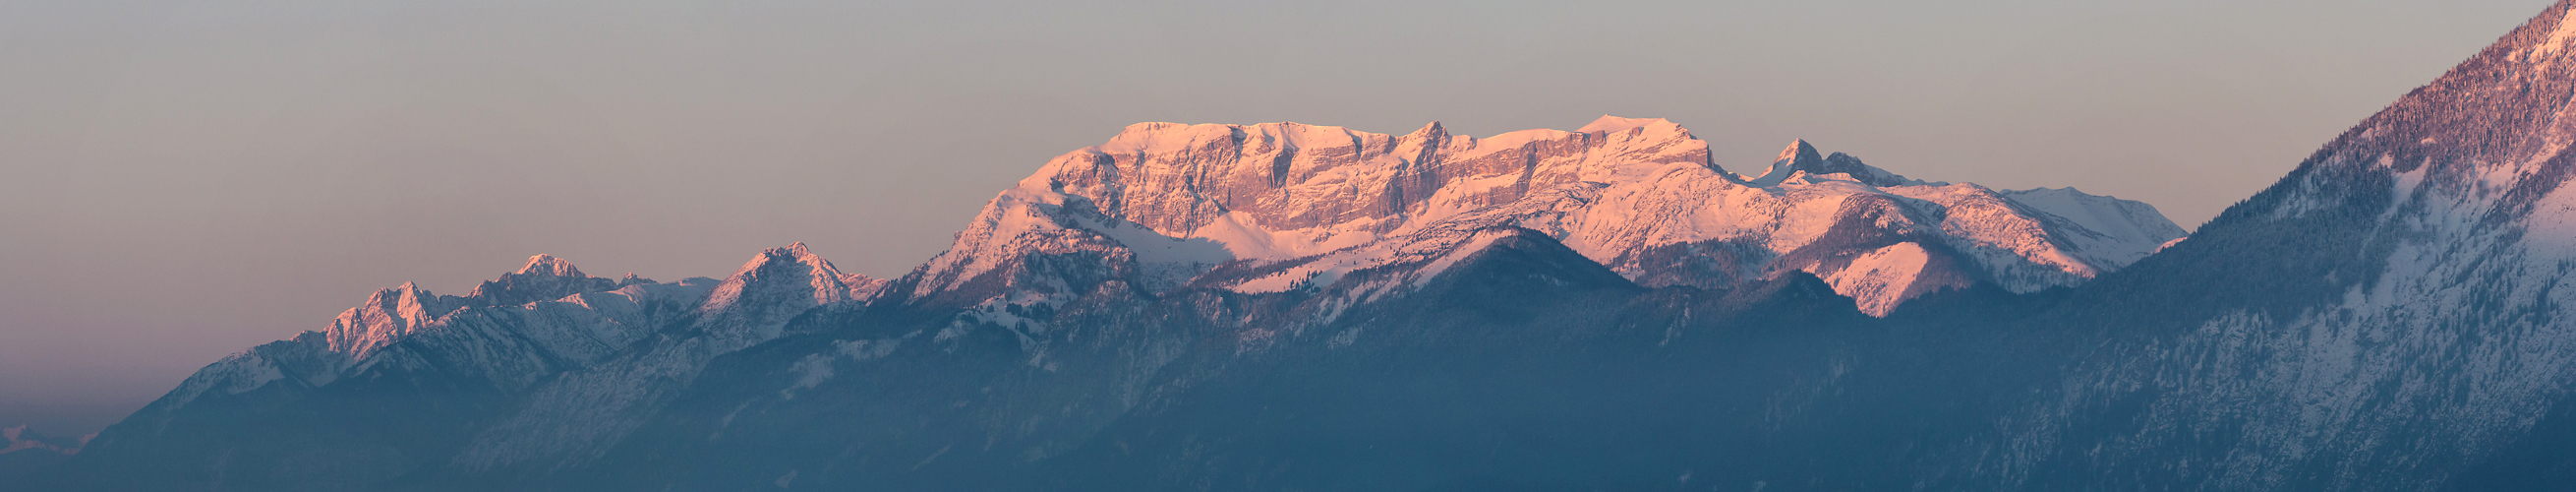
(1879, 278)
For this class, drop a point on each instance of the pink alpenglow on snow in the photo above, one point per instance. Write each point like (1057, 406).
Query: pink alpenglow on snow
(1641, 196)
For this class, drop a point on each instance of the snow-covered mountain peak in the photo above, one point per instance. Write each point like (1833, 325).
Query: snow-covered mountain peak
(2499, 113)
(1801, 156)
(758, 299)
(387, 315)
(390, 314)
(549, 265)
(1614, 124)
(792, 271)
(545, 278)
(1431, 129)
(801, 253)
(1799, 152)
(1624, 191)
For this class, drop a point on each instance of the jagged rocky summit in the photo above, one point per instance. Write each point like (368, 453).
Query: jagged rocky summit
(1291, 307)
(1638, 195)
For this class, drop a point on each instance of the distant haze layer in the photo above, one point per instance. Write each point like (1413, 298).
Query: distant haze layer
(181, 180)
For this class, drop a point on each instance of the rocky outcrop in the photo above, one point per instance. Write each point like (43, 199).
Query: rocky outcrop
(1639, 195)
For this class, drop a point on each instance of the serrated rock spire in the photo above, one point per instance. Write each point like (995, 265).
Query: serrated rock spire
(544, 264)
(388, 315)
(544, 278)
(1627, 192)
(756, 302)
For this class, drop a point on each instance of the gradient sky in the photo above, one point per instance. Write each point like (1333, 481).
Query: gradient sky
(180, 180)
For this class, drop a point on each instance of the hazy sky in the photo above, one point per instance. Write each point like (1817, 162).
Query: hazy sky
(180, 180)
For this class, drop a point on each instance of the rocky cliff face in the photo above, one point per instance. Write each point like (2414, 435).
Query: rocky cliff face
(1638, 195)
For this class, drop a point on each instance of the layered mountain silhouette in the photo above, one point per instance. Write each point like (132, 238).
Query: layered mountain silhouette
(1296, 307)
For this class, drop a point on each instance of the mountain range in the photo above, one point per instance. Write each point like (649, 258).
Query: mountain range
(1294, 307)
